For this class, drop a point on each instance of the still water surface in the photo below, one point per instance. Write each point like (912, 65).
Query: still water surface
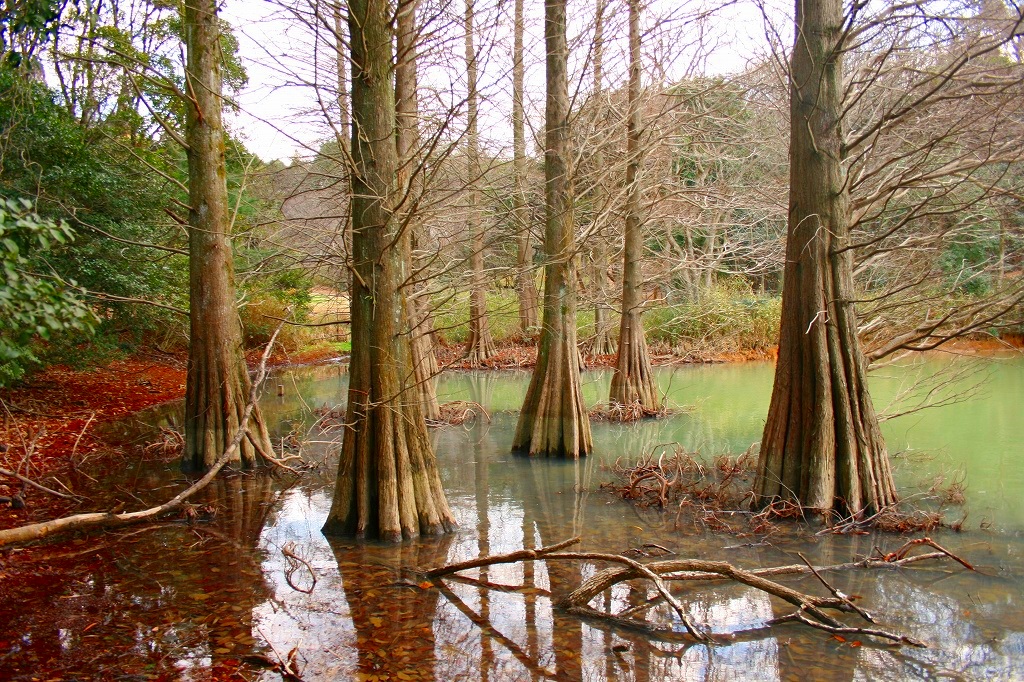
(181, 601)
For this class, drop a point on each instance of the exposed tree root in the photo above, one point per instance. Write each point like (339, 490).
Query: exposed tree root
(812, 610)
(459, 413)
(632, 412)
(717, 495)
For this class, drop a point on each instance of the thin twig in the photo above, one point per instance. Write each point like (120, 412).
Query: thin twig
(84, 429)
(836, 593)
(38, 486)
(844, 630)
(294, 560)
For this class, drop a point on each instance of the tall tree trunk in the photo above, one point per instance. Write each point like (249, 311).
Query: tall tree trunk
(633, 381)
(217, 384)
(388, 485)
(553, 421)
(603, 344)
(481, 345)
(342, 67)
(525, 284)
(424, 360)
(821, 446)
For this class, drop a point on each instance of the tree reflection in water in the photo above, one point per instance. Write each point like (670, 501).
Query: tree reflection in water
(392, 615)
(159, 600)
(180, 601)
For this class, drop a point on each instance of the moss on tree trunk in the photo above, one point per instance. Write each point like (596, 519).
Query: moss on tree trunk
(217, 384)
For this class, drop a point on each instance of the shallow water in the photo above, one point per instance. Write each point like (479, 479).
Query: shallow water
(188, 600)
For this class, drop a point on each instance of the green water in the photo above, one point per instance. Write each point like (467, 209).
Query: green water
(185, 601)
(972, 622)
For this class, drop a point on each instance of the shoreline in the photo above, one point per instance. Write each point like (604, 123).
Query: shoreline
(49, 422)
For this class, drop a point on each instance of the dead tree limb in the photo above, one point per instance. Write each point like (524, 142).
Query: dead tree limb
(811, 609)
(488, 629)
(799, 617)
(38, 486)
(36, 531)
(294, 563)
(510, 558)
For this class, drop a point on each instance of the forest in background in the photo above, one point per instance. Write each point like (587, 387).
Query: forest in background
(93, 180)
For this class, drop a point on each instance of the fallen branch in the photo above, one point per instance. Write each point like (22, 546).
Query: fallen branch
(510, 558)
(901, 553)
(496, 635)
(285, 666)
(79, 439)
(799, 617)
(37, 486)
(811, 609)
(36, 531)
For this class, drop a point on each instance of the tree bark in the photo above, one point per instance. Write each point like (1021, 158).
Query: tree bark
(217, 384)
(603, 344)
(822, 446)
(481, 346)
(388, 485)
(424, 360)
(633, 381)
(554, 421)
(525, 284)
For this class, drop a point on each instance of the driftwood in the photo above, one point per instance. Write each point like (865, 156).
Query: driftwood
(811, 610)
(36, 531)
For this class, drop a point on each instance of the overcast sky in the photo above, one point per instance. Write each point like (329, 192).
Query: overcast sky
(281, 118)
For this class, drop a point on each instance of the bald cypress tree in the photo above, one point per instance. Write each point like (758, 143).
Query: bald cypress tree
(633, 381)
(388, 485)
(554, 421)
(822, 446)
(217, 385)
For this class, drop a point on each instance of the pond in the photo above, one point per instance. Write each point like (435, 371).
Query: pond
(190, 600)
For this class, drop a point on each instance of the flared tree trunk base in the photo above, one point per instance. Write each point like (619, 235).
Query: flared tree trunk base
(633, 381)
(554, 420)
(822, 447)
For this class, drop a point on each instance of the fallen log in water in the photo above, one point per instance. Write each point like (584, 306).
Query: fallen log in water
(37, 531)
(812, 610)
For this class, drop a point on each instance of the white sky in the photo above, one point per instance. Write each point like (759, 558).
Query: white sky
(280, 118)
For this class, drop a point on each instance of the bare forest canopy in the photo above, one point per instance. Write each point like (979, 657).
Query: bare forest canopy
(92, 117)
(493, 183)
